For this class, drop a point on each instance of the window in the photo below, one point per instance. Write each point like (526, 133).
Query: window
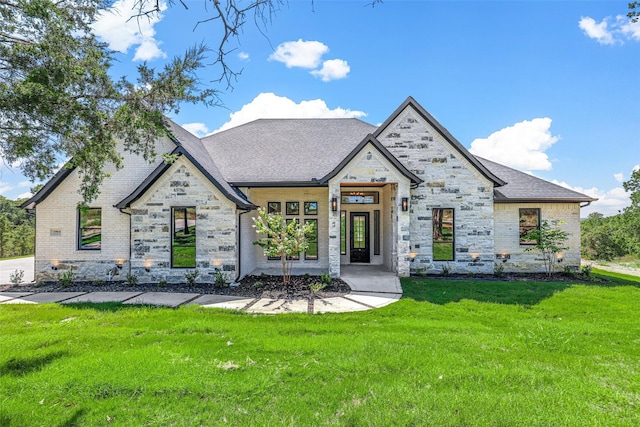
(289, 221)
(343, 232)
(312, 239)
(529, 220)
(443, 235)
(183, 240)
(293, 208)
(274, 208)
(90, 229)
(359, 197)
(311, 208)
(376, 232)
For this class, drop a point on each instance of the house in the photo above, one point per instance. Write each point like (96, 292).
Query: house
(406, 195)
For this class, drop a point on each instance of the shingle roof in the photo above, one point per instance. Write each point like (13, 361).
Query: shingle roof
(284, 150)
(522, 187)
(191, 147)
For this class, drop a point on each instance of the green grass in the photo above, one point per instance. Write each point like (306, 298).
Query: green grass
(452, 353)
(16, 257)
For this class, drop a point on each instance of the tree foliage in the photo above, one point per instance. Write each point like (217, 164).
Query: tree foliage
(634, 11)
(550, 242)
(282, 239)
(58, 101)
(17, 229)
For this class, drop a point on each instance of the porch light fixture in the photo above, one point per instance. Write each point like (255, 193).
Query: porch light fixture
(334, 204)
(560, 257)
(413, 256)
(476, 257)
(119, 263)
(54, 264)
(405, 204)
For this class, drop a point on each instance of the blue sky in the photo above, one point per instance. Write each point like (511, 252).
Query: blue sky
(549, 88)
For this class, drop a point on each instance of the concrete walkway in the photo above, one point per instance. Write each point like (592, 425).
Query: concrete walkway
(371, 287)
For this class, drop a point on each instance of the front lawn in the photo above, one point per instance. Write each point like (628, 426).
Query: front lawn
(453, 353)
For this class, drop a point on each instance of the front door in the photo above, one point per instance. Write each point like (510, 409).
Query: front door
(360, 237)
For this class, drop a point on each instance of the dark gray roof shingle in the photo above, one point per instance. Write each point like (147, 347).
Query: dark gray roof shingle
(284, 150)
(527, 188)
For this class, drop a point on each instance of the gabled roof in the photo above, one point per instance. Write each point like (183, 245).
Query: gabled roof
(370, 139)
(522, 187)
(191, 147)
(51, 185)
(284, 151)
(445, 134)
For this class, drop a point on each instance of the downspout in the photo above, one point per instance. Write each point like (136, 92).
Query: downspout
(128, 213)
(239, 240)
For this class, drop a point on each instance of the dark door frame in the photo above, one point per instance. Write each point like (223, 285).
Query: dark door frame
(359, 255)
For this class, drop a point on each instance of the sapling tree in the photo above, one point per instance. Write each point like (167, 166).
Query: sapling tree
(549, 241)
(282, 239)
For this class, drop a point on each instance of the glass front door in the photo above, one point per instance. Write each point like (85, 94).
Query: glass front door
(360, 237)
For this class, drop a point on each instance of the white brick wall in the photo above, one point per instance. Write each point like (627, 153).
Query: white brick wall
(507, 234)
(57, 214)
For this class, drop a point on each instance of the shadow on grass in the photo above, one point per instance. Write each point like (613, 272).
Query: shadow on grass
(18, 366)
(526, 292)
(110, 306)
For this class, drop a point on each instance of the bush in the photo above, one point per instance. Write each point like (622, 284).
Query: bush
(325, 278)
(66, 278)
(585, 270)
(317, 287)
(498, 269)
(220, 279)
(162, 283)
(191, 277)
(132, 279)
(16, 277)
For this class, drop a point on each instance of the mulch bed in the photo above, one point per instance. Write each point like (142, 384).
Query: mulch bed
(250, 287)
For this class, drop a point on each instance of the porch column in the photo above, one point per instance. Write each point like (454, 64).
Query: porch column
(403, 242)
(334, 229)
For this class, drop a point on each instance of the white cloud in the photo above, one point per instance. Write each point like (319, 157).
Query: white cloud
(332, 69)
(5, 186)
(303, 54)
(243, 55)
(618, 176)
(521, 146)
(198, 129)
(610, 202)
(597, 31)
(610, 32)
(272, 106)
(27, 195)
(121, 31)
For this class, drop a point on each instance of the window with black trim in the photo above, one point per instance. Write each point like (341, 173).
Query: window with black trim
(293, 208)
(274, 208)
(89, 229)
(311, 208)
(183, 237)
(529, 220)
(343, 232)
(312, 238)
(443, 234)
(289, 221)
(376, 232)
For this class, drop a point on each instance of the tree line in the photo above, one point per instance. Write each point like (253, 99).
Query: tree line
(17, 229)
(615, 236)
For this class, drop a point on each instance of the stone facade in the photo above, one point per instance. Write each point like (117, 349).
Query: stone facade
(182, 185)
(450, 181)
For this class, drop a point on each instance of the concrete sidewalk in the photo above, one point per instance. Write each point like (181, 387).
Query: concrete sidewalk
(354, 301)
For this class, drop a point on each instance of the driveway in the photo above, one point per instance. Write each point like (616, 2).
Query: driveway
(9, 266)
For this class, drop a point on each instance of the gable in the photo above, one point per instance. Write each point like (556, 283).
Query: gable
(411, 122)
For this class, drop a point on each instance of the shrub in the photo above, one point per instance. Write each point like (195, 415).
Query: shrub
(220, 279)
(258, 284)
(191, 277)
(98, 282)
(317, 287)
(585, 270)
(325, 278)
(162, 283)
(498, 269)
(16, 277)
(66, 278)
(132, 279)
(446, 270)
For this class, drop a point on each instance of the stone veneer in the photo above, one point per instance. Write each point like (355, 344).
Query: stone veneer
(450, 181)
(183, 186)
(369, 166)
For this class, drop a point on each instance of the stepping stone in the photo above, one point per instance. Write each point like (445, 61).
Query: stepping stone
(376, 300)
(168, 299)
(221, 301)
(6, 296)
(44, 297)
(98, 297)
(337, 305)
